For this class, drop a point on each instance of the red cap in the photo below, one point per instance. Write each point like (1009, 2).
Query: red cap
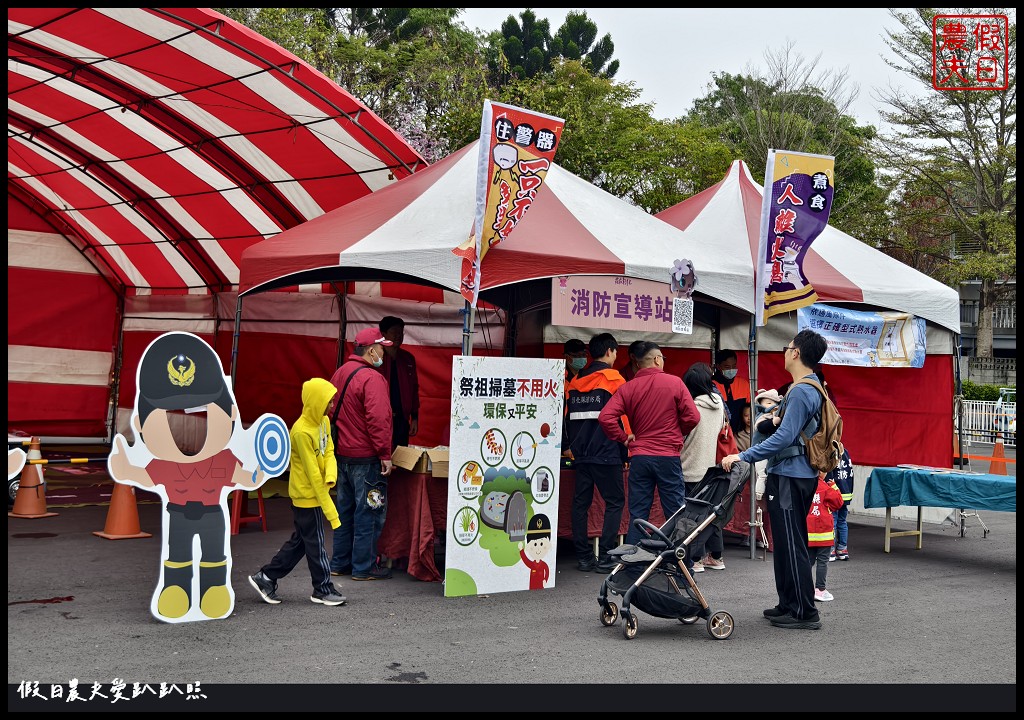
(371, 336)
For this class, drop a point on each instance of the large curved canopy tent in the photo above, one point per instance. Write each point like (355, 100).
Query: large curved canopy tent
(147, 149)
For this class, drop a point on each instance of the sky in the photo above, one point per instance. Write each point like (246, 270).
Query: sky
(671, 54)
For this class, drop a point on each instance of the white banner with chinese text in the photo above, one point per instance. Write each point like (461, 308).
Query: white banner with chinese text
(866, 339)
(506, 429)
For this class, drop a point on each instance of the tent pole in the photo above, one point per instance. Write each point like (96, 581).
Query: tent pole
(752, 483)
(234, 341)
(468, 315)
(115, 393)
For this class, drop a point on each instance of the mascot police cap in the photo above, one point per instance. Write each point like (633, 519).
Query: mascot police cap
(180, 371)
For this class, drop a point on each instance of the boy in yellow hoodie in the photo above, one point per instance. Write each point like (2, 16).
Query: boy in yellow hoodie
(313, 471)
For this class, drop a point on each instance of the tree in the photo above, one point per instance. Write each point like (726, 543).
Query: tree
(613, 141)
(527, 48)
(575, 41)
(796, 105)
(954, 152)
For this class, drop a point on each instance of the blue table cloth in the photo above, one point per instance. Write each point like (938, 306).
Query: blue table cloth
(894, 486)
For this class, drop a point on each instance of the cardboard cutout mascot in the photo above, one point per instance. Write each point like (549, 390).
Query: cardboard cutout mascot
(179, 372)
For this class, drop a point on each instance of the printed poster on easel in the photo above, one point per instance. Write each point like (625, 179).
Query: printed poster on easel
(506, 430)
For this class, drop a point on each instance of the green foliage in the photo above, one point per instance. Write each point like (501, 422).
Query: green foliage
(978, 391)
(612, 140)
(797, 107)
(953, 155)
(527, 49)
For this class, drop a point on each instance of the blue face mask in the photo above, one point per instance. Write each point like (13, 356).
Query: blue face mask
(729, 374)
(378, 362)
(578, 363)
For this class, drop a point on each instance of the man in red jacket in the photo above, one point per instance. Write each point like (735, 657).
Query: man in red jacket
(661, 413)
(363, 449)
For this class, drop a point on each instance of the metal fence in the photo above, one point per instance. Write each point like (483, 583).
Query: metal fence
(985, 421)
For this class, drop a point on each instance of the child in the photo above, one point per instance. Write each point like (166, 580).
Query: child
(821, 533)
(313, 471)
(843, 478)
(766, 415)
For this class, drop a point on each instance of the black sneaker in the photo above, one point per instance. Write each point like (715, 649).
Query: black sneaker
(789, 622)
(774, 612)
(343, 571)
(605, 566)
(586, 565)
(331, 598)
(266, 587)
(376, 573)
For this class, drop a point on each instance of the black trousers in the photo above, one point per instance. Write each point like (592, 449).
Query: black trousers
(789, 501)
(608, 479)
(307, 540)
(399, 430)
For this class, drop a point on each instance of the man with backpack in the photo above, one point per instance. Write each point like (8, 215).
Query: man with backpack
(791, 484)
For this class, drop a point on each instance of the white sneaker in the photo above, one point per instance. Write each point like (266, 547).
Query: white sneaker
(822, 595)
(698, 567)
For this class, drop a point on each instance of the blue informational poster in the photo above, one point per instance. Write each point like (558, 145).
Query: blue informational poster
(867, 339)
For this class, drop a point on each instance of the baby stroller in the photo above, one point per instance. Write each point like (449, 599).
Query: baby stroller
(654, 576)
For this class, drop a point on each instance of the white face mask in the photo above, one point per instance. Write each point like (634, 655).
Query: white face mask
(729, 374)
(377, 362)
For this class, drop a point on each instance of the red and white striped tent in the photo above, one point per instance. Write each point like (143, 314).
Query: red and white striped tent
(892, 415)
(407, 233)
(147, 149)
(842, 269)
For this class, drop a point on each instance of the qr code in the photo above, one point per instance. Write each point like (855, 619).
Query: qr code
(682, 316)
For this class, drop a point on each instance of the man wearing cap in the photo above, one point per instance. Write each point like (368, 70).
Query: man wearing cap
(399, 369)
(179, 372)
(364, 428)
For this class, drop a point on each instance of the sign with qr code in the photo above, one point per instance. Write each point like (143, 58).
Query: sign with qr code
(682, 316)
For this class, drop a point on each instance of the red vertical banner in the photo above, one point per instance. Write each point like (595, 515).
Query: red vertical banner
(517, 147)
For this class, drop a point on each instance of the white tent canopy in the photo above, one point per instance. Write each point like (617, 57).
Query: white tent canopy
(407, 232)
(841, 268)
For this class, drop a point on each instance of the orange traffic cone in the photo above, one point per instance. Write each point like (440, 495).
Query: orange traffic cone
(997, 465)
(123, 516)
(30, 502)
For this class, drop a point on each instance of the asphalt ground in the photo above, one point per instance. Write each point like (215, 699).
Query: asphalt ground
(929, 629)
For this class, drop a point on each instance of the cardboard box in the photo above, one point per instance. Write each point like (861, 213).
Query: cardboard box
(438, 461)
(427, 461)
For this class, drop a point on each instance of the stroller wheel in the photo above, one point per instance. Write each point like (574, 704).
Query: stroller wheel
(689, 620)
(721, 625)
(630, 627)
(609, 614)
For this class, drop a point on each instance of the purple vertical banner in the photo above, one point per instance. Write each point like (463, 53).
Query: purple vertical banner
(798, 191)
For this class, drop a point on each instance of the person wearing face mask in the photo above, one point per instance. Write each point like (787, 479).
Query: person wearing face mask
(575, 359)
(734, 388)
(364, 426)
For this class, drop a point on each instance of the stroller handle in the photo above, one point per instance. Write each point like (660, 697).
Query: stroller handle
(650, 529)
